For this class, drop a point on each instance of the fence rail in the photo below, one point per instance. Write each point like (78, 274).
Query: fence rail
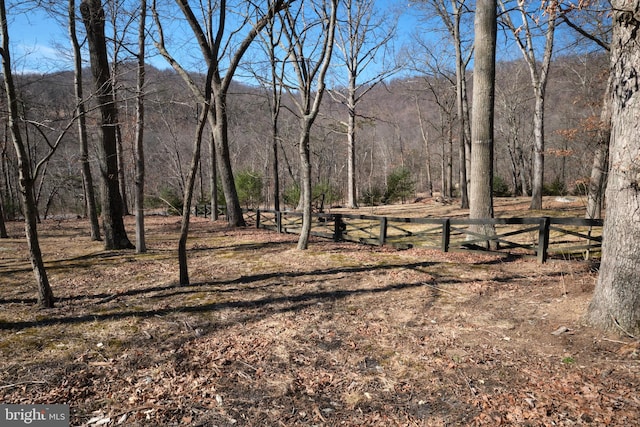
(539, 236)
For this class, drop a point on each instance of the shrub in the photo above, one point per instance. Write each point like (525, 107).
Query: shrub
(326, 191)
(372, 196)
(291, 195)
(400, 186)
(171, 198)
(249, 188)
(556, 188)
(500, 187)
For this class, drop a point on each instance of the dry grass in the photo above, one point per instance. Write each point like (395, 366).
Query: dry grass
(340, 334)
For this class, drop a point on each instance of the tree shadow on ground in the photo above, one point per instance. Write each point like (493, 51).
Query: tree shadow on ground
(285, 303)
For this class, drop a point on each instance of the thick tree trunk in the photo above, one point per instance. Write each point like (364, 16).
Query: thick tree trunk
(112, 208)
(481, 197)
(221, 138)
(45, 294)
(616, 300)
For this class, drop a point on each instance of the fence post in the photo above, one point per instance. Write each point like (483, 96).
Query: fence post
(337, 227)
(279, 221)
(383, 231)
(258, 218)
(543, 239)
(446, 234)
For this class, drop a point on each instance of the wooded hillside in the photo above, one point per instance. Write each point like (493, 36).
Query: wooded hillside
(388, 129)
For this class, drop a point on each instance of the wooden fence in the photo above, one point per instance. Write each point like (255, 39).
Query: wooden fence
(541, 236)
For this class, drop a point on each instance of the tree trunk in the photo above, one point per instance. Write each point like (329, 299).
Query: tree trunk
(598, 179)
(462, 104)
(188, 197)
(425, 139)
(3, 227)
(220, 131)
(87, 179)
(141, 245)
(616, 299)
(481, 200)
(45, 294)
(538, 154)
(275, 166)
(112, 209)
(214, 179)
(305, 186)
(352, 201)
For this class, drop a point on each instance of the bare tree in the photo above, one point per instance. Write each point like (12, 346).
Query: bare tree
(425, 139)
(484, 71)
(588, 19)
(214, 49)
(273, 85)
(112, 209)
(524, 37)
(309, 32)
(360, 38)
(141, 245)
(513, 114)
(451, 13)
(616, 300)
(26, 179)
(85, 166)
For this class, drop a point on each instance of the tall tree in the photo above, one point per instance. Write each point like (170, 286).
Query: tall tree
(307, 34)
(26, 179)
(452, 14)
(141, 245)
(616, 299)
(590, 20)
(119, 28)
(272, 81)
(215, 50)
(484, 71)
(360, 38)
(85, 165)
(523, 34)
(112, 209)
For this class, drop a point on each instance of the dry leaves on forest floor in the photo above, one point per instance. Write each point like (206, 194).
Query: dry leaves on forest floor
(340, 334)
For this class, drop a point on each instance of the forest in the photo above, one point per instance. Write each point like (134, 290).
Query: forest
(407, 126)
(393, 117)
(150, 109)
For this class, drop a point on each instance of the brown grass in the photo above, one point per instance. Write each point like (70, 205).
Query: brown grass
(340, 334)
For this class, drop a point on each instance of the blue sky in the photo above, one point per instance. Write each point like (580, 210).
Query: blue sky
(40, 44)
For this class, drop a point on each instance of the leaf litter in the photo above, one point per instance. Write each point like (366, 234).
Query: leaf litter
(341, 334)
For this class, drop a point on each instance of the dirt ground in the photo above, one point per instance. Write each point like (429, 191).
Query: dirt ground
(338, 335)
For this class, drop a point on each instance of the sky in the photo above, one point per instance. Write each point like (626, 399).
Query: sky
(40, 44)
(33, 38)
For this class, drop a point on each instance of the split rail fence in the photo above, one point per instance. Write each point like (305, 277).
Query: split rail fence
(540, 236)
